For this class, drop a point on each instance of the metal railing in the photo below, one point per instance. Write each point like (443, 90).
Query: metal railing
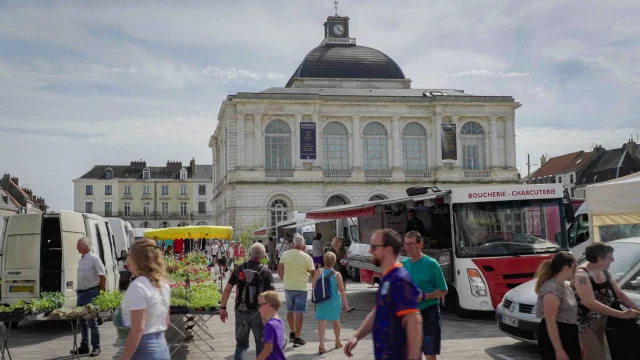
(336, 174)
(154, 215)
(278, 173)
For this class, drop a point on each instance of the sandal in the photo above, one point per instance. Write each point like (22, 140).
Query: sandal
(338, 344)
(321, 350)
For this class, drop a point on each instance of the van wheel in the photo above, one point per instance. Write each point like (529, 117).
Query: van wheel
(355, 274)
(11, 325)
(452, 302)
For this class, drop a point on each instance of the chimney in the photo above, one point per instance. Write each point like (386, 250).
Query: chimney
(543, 160)
(598, 149)
(193, 165)
(633, 148)
(138, 164)
(15, 181)
(174, 164)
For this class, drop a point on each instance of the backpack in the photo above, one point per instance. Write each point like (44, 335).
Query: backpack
(322, 290)
(252, 286)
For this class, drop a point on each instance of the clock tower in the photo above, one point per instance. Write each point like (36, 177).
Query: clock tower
(336, 27)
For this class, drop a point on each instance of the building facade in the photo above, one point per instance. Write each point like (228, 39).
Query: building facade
(564, 169)
(8, 205)
(147, 196)
(22, 197)
(348, 128)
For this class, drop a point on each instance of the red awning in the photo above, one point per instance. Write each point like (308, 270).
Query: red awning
(342, 213)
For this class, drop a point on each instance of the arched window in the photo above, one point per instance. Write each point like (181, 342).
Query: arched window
(374, 147)
(277, 146)
(335, 147)
(184, 223)
(472, 142)
(164, 225)
(414, 147)
(377, 197)
(201, 223)
(337, 200)
(146, 225)
(278, 213)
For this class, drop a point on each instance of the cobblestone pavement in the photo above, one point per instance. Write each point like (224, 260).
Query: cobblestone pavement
(462, 339)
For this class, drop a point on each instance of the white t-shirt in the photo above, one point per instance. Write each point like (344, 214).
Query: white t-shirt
(90, 268)
(214, 250)
(141, 294)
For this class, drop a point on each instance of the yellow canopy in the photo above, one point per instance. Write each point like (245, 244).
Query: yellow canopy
(190, 232)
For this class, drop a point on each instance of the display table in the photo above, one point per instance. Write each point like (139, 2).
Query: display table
(194, 321)
(75, 327)
(6, 318)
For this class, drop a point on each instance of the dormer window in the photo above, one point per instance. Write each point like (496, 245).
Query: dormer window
(146, 174)
(108, 173)
(183, 174)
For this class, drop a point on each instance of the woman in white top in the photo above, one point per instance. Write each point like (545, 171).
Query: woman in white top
(145, 306)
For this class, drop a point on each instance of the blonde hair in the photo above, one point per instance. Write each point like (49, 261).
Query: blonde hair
(550, 268)
(272, 298)
(329, 259)
(148, 260)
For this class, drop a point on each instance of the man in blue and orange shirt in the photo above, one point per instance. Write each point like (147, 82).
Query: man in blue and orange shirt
(395, 320)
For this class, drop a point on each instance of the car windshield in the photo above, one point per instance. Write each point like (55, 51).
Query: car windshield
(506, 228)
(626, 256)
(618, 232)
(308, 237)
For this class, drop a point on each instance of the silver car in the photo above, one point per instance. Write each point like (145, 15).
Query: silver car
(516, 314)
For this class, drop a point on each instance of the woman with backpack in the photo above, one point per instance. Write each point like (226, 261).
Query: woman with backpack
(330, 299)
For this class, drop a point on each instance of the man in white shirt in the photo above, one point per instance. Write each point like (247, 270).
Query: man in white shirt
(214, 252)
(91, 280)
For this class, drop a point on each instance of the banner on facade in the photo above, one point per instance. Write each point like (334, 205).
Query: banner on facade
(308, 141)
(449, 144)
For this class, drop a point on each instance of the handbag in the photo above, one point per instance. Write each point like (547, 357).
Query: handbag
(621, 332)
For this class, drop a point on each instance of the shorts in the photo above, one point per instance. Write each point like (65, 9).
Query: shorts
(222, 261)
(318, 260)
(431, 330)
(296, 301)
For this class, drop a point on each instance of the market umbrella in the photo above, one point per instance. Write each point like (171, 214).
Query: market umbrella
(191, 232)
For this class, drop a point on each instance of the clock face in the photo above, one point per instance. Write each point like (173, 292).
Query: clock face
(338, 29)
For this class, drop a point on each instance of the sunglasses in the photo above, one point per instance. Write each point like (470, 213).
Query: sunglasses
(375, 247)
(263, 303)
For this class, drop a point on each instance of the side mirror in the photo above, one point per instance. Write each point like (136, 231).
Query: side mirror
(123, 255)
(635, 283)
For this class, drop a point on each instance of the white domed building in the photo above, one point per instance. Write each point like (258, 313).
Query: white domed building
(348, 128)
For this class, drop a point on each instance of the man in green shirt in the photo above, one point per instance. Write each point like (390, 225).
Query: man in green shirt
(428, 276)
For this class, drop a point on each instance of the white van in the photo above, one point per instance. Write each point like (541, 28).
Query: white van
(41, 254)
(123, 238)
(138, 233)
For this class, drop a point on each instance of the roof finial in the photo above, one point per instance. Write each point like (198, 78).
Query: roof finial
(335, 4)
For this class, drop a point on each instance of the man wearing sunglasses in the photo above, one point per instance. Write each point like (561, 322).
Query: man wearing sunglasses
(395, 320)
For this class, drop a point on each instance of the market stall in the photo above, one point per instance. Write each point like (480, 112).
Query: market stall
(613, 208)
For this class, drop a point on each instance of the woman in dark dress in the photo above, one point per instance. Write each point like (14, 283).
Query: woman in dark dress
(557, 307)
(337, 247)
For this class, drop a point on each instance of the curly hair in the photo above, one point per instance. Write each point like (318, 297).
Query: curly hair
(148, 260)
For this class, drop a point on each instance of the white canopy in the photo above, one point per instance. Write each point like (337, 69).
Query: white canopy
(614, 202)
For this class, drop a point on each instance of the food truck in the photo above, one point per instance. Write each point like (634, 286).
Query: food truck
(487, 239)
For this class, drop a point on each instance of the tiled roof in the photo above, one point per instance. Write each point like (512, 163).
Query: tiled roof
(135, 172)
(564, 164)
(203, 172)
(608, 166)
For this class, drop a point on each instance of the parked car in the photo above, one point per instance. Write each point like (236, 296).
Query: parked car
(516, 314)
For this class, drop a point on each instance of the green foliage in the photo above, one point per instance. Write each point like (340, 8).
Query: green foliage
(48, 301)
(108, 300)
(17, 305)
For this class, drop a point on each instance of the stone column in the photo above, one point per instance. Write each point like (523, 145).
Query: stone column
(241, 141)
(257, 138)
(488, 146)
(458, 121)
(316, 119)
(431, 143)
(357, 142)
(509, 141)
(396, 144)
(437, 127)
(493, 132)
(297, 162)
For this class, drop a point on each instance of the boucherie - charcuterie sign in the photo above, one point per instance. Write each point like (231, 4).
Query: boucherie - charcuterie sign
(501, 193)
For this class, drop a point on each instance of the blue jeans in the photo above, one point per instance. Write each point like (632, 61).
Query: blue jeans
(296, 301)
(85, 298)
(152, 347)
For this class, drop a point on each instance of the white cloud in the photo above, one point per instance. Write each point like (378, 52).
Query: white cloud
(487, 73)
(233, 74)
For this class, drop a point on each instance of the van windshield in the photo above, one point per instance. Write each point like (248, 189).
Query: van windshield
(308, 237)
(508, 228)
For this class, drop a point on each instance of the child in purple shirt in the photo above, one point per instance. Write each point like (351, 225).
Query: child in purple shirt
(273, 341)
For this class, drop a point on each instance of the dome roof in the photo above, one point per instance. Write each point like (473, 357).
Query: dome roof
(347, 61)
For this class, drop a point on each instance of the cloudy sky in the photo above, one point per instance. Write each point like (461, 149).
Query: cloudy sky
(94, 82)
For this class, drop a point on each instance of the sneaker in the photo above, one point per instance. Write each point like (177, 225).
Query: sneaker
(292, 336)
(299, 342)
(82, 350)
(95, 352)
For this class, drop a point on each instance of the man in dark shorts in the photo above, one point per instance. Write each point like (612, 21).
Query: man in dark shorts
(395, 320)
(428, 277)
